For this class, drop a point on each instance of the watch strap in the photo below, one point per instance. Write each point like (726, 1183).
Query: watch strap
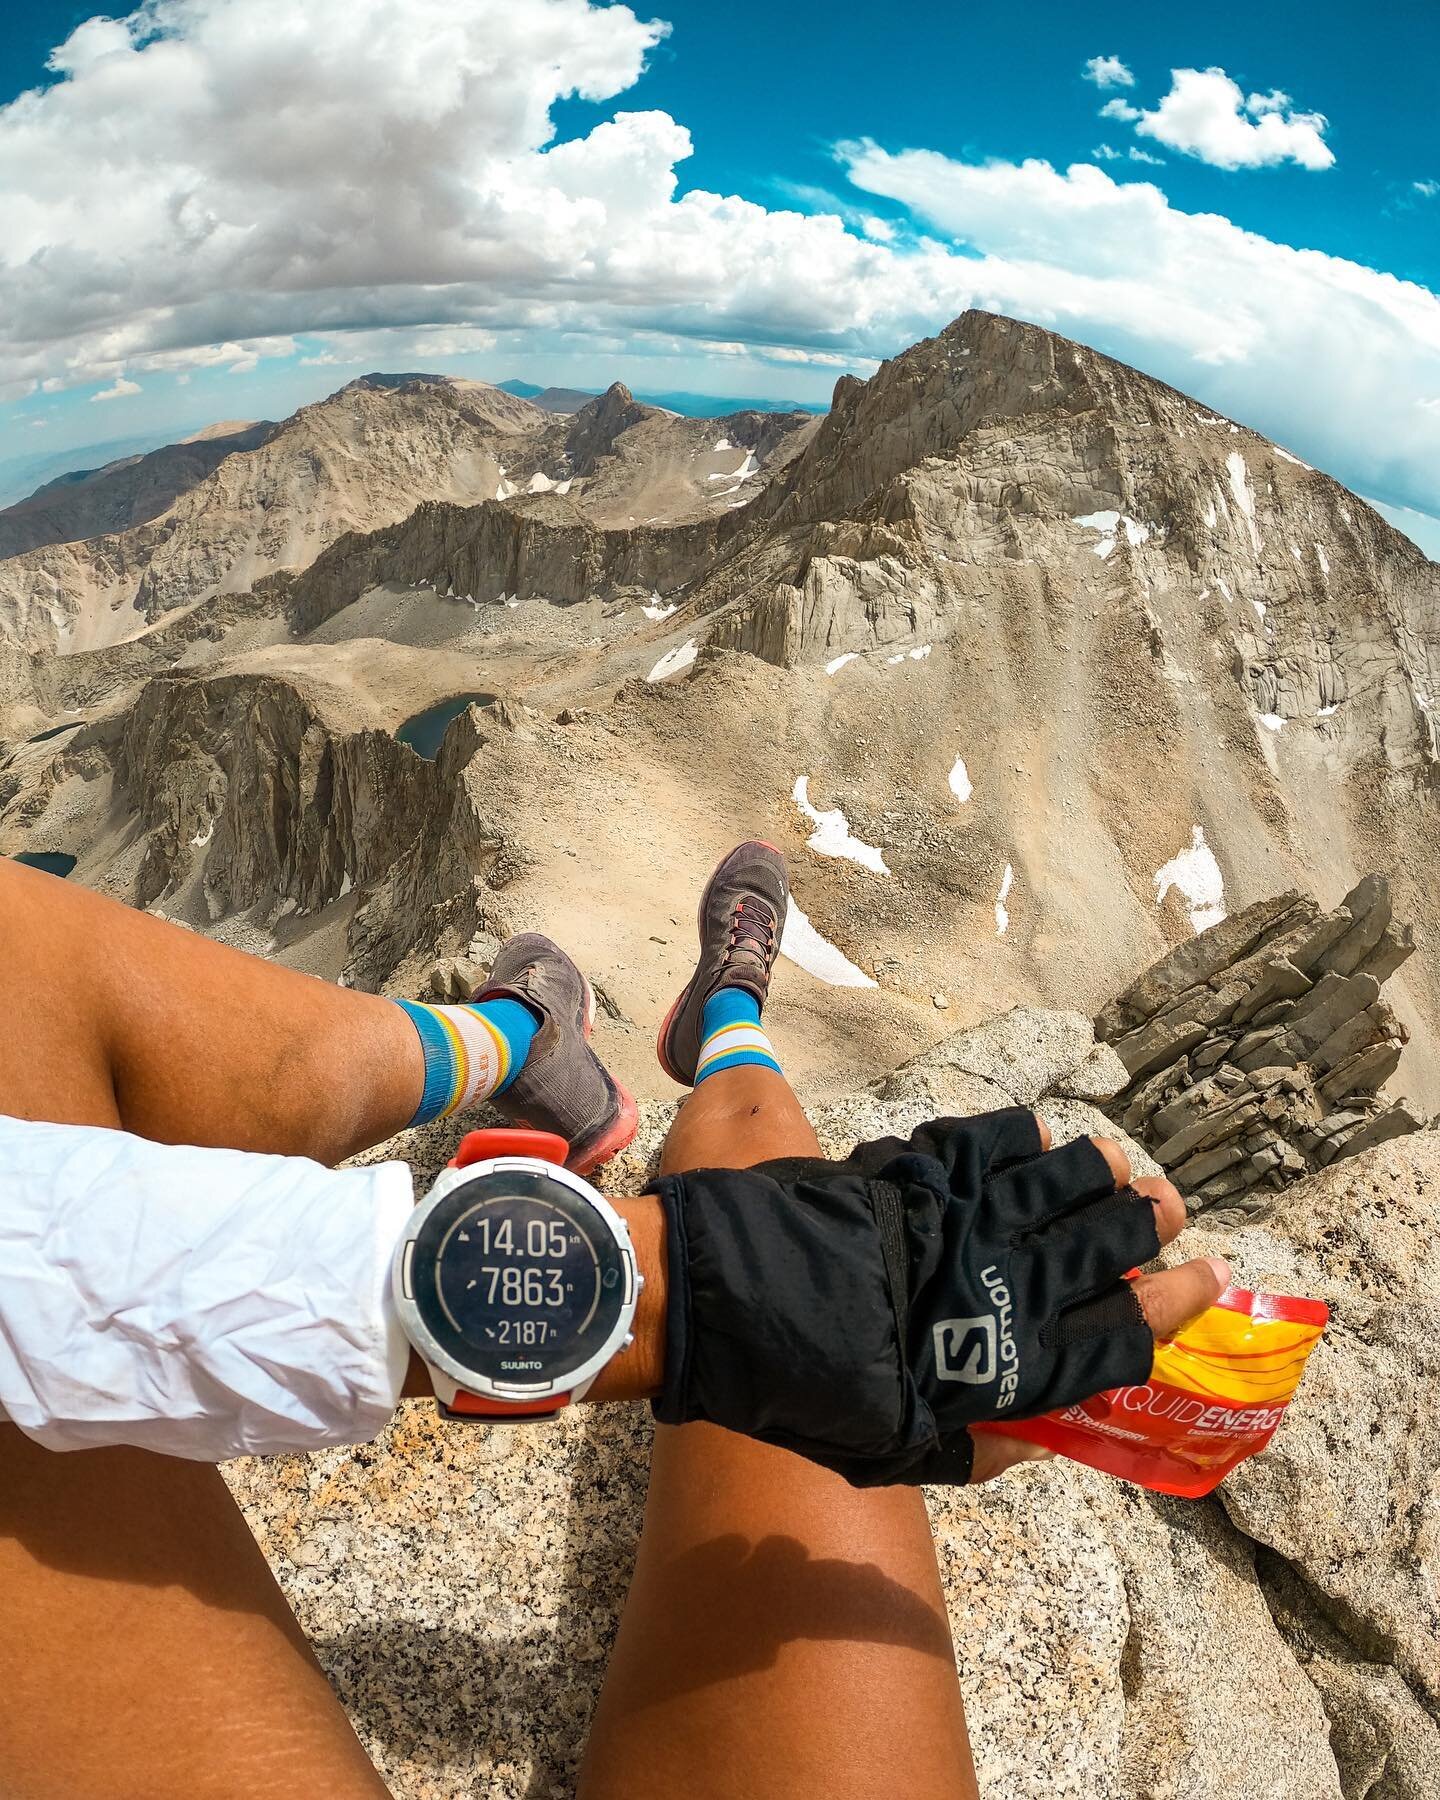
(466, 1405)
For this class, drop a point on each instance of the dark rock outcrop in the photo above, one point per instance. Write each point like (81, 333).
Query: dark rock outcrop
(1257, 1051)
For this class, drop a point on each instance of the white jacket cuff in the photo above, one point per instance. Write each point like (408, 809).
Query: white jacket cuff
(200, 1303)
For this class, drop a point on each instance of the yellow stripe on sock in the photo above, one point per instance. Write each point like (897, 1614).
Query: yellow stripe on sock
(731, 1038)
(462, 1062)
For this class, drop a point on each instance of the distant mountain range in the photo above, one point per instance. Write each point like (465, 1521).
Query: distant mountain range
(692, 406)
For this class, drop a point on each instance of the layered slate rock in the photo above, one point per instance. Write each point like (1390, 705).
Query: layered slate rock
(1256, 1051)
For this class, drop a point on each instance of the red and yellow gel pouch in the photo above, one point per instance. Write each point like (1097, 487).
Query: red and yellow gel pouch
(1217, 1394)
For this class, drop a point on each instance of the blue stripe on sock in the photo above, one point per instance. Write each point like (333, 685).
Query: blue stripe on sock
(518, 1025)
(439, 1062)
(731, 1006)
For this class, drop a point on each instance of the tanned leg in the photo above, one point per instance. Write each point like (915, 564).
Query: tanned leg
(115, 1017)
(785, 1635)
(145, 1650)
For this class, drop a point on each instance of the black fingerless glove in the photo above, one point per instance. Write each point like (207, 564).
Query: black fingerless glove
(865, 1313)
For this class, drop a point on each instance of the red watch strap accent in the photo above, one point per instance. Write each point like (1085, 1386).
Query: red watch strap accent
(475, 1406)
(510, 1140)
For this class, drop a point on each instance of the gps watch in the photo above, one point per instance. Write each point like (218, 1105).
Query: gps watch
(515, 1281)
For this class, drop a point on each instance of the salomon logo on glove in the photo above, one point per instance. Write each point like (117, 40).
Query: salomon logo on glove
(866, 1313)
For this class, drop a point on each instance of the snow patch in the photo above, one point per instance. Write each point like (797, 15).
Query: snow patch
(1295, 552)
(1244, 497)
(1291, 459)
(805, 947)
(832, 835)
(1326, 712)
(724, 444)
(506, 489)
(1225, 590)
(1109, 525)
(1322, 559)
(918, 654)
(657, 609)
(202, 838)
(837, 663)
(1195, 874)
(1260, 607)
(1002, 916)
(1210, 514)
(1272, 721)
(747, 468)
(960, 784)
(673, 661)
(563, 487)
(540, 483)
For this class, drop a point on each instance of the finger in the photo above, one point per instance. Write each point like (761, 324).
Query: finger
(1047, 1137)
(1116, 1159)
(1177, 1296)
(1087, 1252)
(1170, 1214)
(995, 1454)
(1047, 1187)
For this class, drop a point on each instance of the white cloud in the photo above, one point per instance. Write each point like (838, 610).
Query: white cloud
(1107, 72)
(1317, 352)
(1427, 190)
(1144, 156)
(211, 180)
(1206, 115)
(1105, 153)
(212, 171)
(1120, 109)
(121, 390)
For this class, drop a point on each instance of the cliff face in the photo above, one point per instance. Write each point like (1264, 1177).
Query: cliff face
(998, 448)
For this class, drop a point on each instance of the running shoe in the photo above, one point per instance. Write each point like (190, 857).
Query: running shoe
(563, 1086)
(742, 916)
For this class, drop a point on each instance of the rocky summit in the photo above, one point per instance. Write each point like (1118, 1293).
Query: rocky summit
(1068, 701)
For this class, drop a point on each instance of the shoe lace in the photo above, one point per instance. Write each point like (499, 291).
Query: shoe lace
(752, 933)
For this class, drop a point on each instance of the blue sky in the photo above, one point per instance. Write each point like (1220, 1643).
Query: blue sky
(236, 215)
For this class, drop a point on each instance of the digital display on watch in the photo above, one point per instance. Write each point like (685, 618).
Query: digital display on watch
(517, 1278)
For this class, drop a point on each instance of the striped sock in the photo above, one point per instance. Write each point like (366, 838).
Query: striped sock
(731, 1037)
(471, 1052)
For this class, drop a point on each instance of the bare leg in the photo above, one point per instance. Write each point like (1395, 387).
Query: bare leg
(115, 1017)
(146, 1649)
(785, 1634)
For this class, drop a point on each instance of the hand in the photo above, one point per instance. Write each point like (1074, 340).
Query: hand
(1170, 1300)
(866, 1313)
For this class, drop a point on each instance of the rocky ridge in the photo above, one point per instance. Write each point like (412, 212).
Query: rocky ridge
(122, 494)
(360, 461)
(1256, 1052)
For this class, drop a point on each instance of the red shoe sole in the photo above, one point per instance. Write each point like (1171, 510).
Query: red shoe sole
(620, 1135)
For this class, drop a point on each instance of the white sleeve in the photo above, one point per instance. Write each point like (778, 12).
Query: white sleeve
(202, 1303)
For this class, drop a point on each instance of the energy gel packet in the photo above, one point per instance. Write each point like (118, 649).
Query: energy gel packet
(1216, 1395)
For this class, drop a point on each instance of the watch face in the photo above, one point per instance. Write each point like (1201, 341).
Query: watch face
(517, 1278)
